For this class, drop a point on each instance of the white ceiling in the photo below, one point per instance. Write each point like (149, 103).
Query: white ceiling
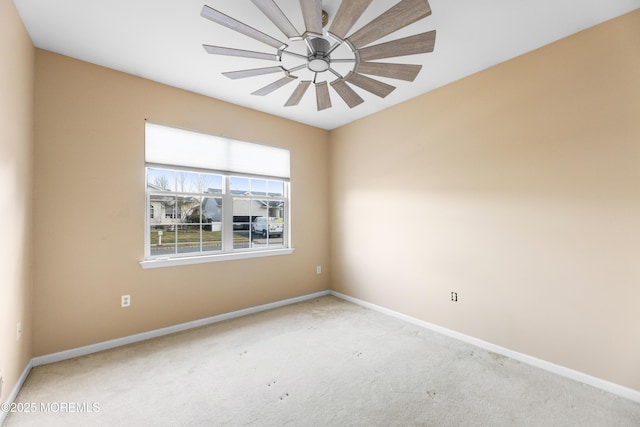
(161, 40)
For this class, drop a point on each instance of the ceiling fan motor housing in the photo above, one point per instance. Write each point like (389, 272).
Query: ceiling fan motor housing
(319, 60)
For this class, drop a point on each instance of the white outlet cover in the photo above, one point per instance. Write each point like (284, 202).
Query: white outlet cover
(125, 301)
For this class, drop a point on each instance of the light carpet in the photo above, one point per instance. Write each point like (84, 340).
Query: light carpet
(324, 362)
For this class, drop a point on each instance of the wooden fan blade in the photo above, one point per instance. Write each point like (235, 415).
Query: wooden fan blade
(347, 15)
(374, 86)
(350, 97)
(402, 14)
(407, 72)
(217, 50)
(323, 99)
(252, 73)
(229, 22)
(273, 86)
(312, 14)
(298, 93)
(420, 43)
(275, 15)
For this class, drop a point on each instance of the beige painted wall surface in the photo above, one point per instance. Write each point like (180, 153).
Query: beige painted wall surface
(16, 160)
(518, 188)
(90, 208)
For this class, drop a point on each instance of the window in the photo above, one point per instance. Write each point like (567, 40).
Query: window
(170, 212)
(212, 198)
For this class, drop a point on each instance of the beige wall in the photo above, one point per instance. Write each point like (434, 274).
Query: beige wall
(16, 155)
(90, 206)
(518, 188)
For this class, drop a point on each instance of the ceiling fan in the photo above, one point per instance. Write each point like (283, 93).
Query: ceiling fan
(335, 54)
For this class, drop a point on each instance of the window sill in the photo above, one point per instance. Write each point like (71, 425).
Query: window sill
(174, 262)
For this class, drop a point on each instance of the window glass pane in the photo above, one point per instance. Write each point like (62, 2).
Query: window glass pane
(268, 226)
(191, 182)
(276, 227)
(260, 228)
(186, 182)
(276, 188)
(192, 209)
(241, 222)
(239, 185)
(188, 238)
(212, 224)
(211, 183)
(241, 238)
(161, 179)
(164, 208)
(259, 208)
(187, 209)
(211, 210)
(276, 232)
(156, 209)
(258, 187)
(212, 237)
(241, 211)
(276, 208)
(162, 240)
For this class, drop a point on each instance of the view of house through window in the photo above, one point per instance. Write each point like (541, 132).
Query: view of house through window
(194, 211)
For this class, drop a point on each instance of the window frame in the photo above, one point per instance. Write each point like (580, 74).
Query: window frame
(227, 251)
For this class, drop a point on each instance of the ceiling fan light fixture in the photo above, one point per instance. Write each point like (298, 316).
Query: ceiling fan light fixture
(318, 65)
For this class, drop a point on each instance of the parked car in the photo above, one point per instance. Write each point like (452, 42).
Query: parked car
(263, 226)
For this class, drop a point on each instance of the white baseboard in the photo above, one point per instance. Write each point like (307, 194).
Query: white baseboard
(581, 377)
(118, 342)
(16, 388)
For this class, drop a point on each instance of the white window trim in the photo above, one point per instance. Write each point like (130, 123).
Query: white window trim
(203, 259)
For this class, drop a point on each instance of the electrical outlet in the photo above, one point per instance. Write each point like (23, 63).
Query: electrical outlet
(454, 296)
(18, 331)
(125, 301)
(319, 269)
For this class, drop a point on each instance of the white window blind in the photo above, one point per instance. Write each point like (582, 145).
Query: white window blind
(171, 146)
